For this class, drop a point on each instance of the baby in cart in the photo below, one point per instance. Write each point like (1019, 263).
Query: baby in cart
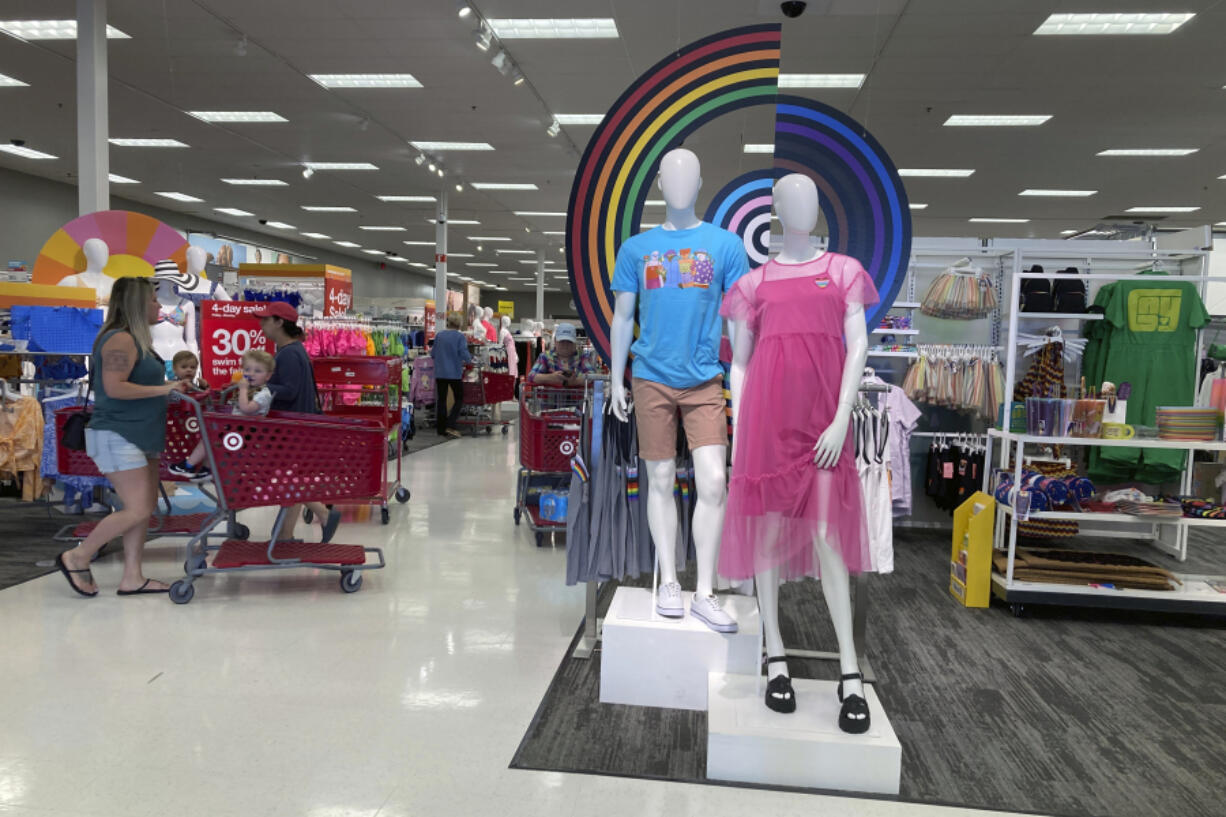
(254, 399)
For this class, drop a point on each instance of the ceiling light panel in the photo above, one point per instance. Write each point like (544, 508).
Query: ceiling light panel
(232, 211)
(586, 28)
(999, 220)
(366, 80)
(1058, 193)
(238, 116)
(515, 252)
(177, 196)
(935, 173)
(1112, 24)
(486, 237)
(478, 264)
(350, 244)
(328, 208)
(578, 118)
(1148, 152)
(503, 186)
(385, 228)
(461, 221)
(452, 146)
(995, 121)
(257, 182)
(147, 143)
(115, 178)
(1161, 209)
(317, 235)
(25, 152)
(423, 199)
(374, 252)
(752, 148)
(12, 82)
(51, 30)
(541, 213)
(821, 80)
(339, 166)
(917, 206)
(281, 225)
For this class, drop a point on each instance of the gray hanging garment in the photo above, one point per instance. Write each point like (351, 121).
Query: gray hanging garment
(578, 522)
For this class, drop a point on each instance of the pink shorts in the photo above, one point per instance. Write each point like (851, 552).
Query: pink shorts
(656, 406)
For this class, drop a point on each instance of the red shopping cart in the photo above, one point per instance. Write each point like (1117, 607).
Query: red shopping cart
(550, 421)
(484, 392)
(285, 459)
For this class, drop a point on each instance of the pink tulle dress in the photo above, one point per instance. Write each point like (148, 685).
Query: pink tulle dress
(778, 500)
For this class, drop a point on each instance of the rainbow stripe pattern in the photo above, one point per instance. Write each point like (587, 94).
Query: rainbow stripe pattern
(136, 241)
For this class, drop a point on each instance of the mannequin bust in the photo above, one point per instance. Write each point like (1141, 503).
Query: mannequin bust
(507, 339)
(476, 326)
(487, 319)
(796, 203)
(195, 285)
(175, 330)
(97, 253)
(680, 179)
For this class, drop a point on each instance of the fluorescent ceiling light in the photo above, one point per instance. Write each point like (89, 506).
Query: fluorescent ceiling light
(553, 232)
(658, 202)
(51, 30)
(374, 252)
(406, 198)
(317, 235)
(578, 118)
(999, 220)
(1148, 152)
(486, 237)
(386, 228)
(328, 208)
(419, 265)
(502, 186)
(1076, 194)
(442, 146)
(147, 143)
(420, 243)
(339, 166)
(366, 80)
(527, 261)
(280, 225)
(232, 211)
(752, 148)
(821, 80)
(1069, 232)
(935, 173)
(25, 152)
(995, 121)
(515, 252)
(177, 196)
(238, 116)
(1161, 209)
(346, 244)
(115, 178)
(1107, 24)
(478, 264)
(461, 221)
(585, 28)
(12, 82)
(917, 206)
(541, 213)
(257, 182)
(460, 255)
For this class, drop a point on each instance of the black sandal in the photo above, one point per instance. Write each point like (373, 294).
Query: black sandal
(780, 696)
(853, 717)
(67, 571)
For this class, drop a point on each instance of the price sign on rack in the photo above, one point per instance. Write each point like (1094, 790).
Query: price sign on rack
(338, 292)
(228, 329)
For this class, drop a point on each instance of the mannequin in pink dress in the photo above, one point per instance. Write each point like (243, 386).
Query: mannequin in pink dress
(794, 505)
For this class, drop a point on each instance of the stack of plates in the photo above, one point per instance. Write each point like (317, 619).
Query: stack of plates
(1181, 423)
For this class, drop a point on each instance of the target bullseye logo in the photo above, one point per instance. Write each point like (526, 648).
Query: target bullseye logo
(232, 441)
(192, 425)
(567, 447)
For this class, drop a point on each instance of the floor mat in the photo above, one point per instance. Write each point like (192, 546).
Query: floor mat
(27, 550)
(1066, 712)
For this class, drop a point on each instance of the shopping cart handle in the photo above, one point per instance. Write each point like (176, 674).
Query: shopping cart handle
(191, 401)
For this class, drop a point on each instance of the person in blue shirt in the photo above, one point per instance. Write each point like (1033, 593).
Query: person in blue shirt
(450, 353)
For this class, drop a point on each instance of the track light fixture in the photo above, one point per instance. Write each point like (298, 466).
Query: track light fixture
(554, 128)
(432, 167)
(463, 9)
(517, 76)
(240, 49)
(459, 188)
(441, 173)
(420, 160)
(483, 37)
(308, 172)
(501, 61)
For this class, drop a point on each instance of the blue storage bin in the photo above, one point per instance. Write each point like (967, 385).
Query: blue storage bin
(66, 330)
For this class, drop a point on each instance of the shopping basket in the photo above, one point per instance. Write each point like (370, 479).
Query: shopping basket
(550, 422)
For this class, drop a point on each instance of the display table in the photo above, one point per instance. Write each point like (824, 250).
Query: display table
(649, 660)
(748, 743)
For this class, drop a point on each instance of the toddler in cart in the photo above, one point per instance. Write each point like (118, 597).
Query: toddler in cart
(254, 399)
(185, 366)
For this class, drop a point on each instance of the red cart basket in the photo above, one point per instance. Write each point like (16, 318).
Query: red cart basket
(550, 421)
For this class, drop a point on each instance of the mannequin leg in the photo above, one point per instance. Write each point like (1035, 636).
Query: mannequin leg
(662, 515)
(836, 587)
(711, 486)
(768, 610)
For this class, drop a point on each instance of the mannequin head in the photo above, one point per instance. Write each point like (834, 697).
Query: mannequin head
(795, 201)
(97, 253)
(197, 257)
(487, 313)
(506, 322)
(680, 179)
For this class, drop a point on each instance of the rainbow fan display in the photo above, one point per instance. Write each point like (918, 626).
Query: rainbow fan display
(136, 242)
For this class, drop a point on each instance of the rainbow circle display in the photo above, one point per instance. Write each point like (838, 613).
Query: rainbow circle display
(136, 243)
(744, 207)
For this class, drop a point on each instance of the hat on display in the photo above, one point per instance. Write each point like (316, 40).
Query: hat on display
(279, 309)
(565, 331)
(168, 270)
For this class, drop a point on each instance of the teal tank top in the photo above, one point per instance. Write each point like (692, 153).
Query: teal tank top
(141, 422)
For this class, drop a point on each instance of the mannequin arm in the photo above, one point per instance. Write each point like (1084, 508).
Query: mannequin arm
(621, 333)
(742, 349)
(189, 329)
(830, 444)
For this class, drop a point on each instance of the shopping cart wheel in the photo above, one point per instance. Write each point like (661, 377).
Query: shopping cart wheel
(241, 531)
(402, 495)
(518, 514)
(307, 516)
(181, 592)
(385, 515)
(351, 581)
(489, 430)
(540, 538)
(505, 429)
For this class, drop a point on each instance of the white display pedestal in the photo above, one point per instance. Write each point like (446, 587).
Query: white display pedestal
(649, 660)
(748, 743)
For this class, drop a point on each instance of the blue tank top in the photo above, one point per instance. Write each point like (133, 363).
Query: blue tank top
(141, 422)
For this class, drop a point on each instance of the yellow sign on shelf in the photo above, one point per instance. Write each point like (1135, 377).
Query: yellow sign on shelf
(970, 563)
(506, 308)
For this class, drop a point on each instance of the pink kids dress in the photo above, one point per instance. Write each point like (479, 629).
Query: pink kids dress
(778, 500)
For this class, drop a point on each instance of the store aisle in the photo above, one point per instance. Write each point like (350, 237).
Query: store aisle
(279, 695)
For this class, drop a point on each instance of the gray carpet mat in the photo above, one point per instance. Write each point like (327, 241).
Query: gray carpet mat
(1066, 712)
(26, 547)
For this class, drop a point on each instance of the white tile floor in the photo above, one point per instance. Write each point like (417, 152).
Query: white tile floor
(276, 694)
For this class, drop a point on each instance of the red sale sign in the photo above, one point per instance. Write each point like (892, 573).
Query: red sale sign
(431, 317)
(338, 292)
(228, 329)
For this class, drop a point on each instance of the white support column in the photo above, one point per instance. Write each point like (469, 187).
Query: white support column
(440, 260)
(93, 159)
(540, 285)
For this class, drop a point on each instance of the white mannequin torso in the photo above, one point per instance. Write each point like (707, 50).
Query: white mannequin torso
(97, 254)
(169, 335)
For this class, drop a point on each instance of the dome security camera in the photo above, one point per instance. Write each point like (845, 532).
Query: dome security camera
(18, 143)
(263, 221)
(793, 8)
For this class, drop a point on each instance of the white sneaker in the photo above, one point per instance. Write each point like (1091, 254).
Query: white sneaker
(709, 612)
(668, 600)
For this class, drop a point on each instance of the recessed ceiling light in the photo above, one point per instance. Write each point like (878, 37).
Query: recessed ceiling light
(995, 121)
(115, 178)
(752, 148)
(177, 196)
(328, 208)
(461, 221)
(407, 198)
(515, 252)
(1161, 209)
(232, 211)
(1076, 194)
(51, 30)
(1148, 152)
(541, 213)
(460, 255)
(317, 235)
(374, 252)
(578, 118)
(386, 228)
(420, 244)
(486, 237)
(12, 82)
(1108, 24)
(999, 220)
(366, 80)
(553, 232)
(419, 264)
(527, 261)
(1069, 232)
(935, 173)
(554, 28)
(917, 206)
(478, 264)
(662, 202)
(257, 182)
(280, 225)
(339, 166)
(147, 143)
(346, 244)
(444, 146)
(238, 116)
(821, 80)
(25, 152)
(503, 186)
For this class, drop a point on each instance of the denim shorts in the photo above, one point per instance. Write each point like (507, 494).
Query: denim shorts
(111, 452)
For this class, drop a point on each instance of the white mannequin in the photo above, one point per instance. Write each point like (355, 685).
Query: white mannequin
(97, 253)
(197, 257)
(680, 180)
(508, 342)
(796, 204)
(487, 318)
(169, 338)
(476, 328)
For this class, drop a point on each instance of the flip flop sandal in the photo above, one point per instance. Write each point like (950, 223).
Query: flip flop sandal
(59, 562)
(142, 590)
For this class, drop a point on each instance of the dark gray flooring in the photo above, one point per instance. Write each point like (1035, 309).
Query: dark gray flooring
(1066, 712)
(26, 547)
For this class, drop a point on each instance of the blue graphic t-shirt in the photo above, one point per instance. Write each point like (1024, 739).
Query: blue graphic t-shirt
(680, 277)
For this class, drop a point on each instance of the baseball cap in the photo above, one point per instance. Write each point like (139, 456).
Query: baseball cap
(565, 331)
(279, 309)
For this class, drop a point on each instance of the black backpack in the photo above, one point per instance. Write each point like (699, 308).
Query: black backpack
(1036, 293)
(1070, 295)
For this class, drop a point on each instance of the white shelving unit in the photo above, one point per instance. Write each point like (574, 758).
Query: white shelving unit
(884, 331)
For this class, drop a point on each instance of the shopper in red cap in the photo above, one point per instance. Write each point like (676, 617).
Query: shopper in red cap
(293, 389)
